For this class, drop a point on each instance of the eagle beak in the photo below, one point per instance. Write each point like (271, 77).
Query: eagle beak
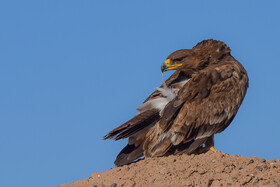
(167, 66)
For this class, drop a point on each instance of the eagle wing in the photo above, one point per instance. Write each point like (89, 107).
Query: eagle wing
(147, 117)
(136, 128)
(205, 105)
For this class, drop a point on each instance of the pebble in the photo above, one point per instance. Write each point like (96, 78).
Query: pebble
(259, 168)
(272, 160)
(250, 161)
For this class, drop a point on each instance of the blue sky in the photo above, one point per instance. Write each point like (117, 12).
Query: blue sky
(70, 71)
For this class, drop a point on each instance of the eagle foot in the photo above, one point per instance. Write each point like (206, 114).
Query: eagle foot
(215, 150)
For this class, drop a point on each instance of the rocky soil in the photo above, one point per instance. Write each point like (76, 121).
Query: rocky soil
(208, 169)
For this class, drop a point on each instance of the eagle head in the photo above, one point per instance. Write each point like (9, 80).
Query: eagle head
(200, 56)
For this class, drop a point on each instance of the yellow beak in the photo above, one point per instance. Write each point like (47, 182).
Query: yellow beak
(167, 66)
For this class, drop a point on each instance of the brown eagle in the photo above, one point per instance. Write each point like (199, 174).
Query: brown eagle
(198, 100)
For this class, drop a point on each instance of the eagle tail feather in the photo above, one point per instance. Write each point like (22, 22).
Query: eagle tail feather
(128, 154)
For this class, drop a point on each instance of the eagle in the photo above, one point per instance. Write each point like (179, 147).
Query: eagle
(198, 100)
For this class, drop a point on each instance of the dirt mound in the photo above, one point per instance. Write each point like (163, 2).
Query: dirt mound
(209, 169)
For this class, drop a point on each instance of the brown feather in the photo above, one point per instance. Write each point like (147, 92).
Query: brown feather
(128, 154)
(134, 125)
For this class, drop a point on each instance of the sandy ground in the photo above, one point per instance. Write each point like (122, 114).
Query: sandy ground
(209, 169)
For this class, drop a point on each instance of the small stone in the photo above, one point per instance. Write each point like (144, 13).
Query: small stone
(114, 185)
(246, 180)
(262, 160)
(272, 160)
(152, 181)
(216, 183)
(259, 168)
(201, 171)
(250, 161)
(210, 181)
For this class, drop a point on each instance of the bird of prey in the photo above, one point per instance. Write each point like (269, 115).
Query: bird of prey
(199, 99)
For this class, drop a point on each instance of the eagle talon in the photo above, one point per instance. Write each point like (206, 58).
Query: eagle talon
(215, 150)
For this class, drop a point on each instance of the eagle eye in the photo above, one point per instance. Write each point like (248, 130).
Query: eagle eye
(178, 60)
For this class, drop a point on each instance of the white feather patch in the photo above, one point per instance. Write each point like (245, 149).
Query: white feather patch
(159, 103)
(168, 94)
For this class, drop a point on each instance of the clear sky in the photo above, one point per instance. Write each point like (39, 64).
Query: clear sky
(70, 71)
